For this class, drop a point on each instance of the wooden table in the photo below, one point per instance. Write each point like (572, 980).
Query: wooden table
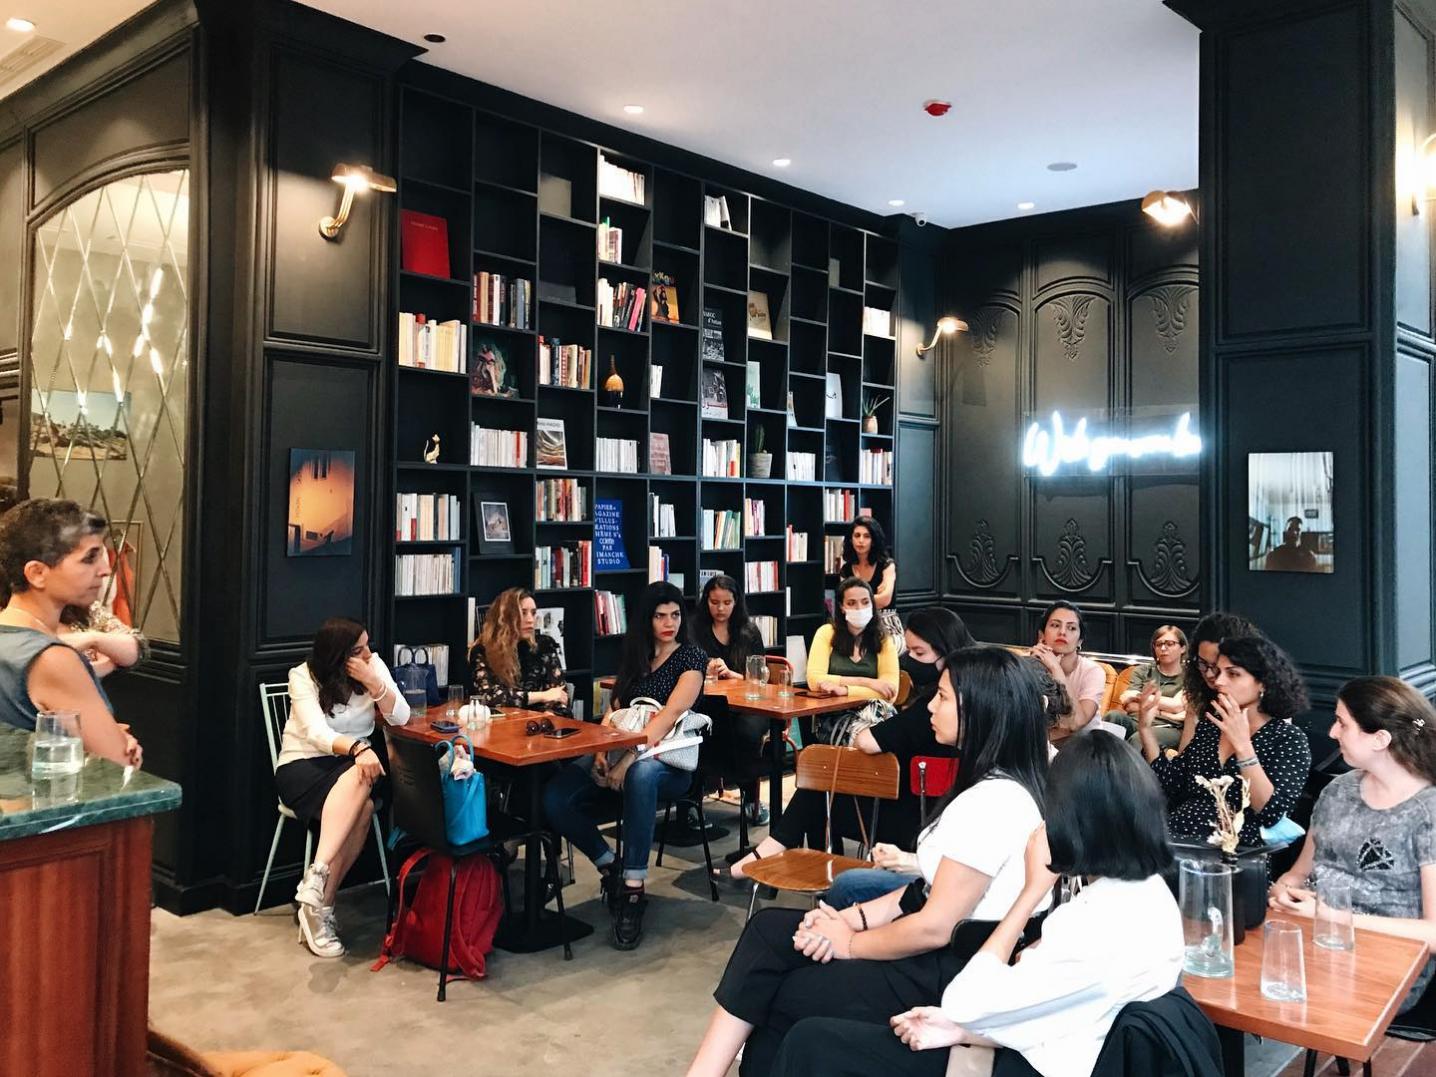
(1351, 996)
(505, 747)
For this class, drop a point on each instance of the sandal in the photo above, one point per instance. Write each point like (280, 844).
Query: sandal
(725, 875)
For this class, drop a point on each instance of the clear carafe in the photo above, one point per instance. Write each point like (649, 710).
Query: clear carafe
(1205, 896)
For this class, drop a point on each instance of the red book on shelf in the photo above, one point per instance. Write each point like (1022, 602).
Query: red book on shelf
(424, 243)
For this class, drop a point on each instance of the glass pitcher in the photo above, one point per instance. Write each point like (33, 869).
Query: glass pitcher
(1205, 896)
(410, 679)
(757, 671)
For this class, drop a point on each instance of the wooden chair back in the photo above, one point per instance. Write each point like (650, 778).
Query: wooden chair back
(828, 769)
(1108, 696)
(904, 688)
(1017, 649)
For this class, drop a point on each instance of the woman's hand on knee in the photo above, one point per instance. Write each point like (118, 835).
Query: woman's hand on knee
(368, 765)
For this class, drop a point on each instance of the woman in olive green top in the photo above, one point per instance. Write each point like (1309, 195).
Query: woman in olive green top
(850, 656)
(1164, 676)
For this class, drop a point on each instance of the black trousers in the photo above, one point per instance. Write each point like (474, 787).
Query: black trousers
(832, 1047)
(772, 986)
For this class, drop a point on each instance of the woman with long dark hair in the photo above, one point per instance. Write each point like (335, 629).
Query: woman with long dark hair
(511, 664)
(659, 663)
(866, 556)
(1199, 674)
(850, 656)
(1245, 733)
(328, 769)
(887, 955)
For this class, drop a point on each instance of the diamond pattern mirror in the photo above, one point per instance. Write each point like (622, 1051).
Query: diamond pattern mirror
(110, 379)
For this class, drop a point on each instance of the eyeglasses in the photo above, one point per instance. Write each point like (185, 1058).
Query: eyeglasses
(1202, 665)
(1166, 643)
(533, 728)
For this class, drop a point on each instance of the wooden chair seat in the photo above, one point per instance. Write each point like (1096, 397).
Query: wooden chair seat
(801, 871)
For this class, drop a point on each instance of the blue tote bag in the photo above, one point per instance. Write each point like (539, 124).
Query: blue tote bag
(466, 804)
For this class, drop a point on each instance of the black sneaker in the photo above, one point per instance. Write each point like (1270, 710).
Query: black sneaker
(610, 884)
(628, 923)
(757, 813)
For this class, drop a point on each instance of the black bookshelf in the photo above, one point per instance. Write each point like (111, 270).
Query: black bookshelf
(529, 203)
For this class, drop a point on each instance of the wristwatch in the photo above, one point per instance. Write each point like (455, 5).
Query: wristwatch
(1242, 764)
(360, 743)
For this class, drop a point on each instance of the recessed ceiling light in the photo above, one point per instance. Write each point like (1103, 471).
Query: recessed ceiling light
(782, 162)
(21, 26)
(435, 39)
(1025, 206)
(1061, 166)
(896, 202)
(633, 110)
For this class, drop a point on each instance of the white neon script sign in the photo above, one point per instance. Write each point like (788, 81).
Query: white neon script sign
(1047, 450)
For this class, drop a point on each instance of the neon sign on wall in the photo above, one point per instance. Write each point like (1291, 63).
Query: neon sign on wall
(1046, 449)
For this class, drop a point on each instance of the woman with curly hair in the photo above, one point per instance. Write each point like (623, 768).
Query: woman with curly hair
(1199, 673)
(1246, 732)
(510, 663)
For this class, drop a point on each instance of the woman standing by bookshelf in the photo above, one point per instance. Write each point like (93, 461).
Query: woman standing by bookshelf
(511, 664)
(866, 557)
(722, 628)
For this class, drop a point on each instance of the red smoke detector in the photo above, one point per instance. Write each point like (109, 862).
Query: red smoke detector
(934, 107)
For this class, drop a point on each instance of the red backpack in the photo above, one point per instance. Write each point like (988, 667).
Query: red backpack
(418, 930)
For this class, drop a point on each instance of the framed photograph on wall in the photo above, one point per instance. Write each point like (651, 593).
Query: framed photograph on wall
(321, 503)
(1289, 516)
(493, 529)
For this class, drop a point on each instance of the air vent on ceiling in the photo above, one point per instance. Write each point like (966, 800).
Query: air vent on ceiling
(25, 56)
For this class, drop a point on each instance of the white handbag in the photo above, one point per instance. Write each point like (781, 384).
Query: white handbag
(679, 748)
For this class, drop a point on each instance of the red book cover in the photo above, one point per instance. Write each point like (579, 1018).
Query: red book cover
(424, 243)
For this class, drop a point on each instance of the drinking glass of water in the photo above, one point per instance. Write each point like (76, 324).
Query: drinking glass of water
(58, 747)
(455, 704)
(757, 669)
(1333, 928)
(782, 676)
(1283, 965)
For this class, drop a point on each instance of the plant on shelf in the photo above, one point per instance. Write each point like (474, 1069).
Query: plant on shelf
(760, 463)
(870, 413)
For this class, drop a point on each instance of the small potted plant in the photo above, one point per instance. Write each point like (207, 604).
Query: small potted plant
(760, 463)
(870, 413)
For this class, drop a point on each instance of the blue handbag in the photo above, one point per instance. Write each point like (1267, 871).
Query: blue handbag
(466, 802)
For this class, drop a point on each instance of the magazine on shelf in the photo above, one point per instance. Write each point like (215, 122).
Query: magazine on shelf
(492, 374)
(715, 394)
(548, 620)
(663, 303)
(712, 335)
(552, 444)
(759, 324)
(753, 387)
(659, 462)
(834, 403)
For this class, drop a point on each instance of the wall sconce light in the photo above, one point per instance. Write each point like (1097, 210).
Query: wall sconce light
(1168, 208)
(353, 178)
(945, 327)
(1425, 185)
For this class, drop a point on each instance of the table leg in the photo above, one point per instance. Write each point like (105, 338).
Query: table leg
(1233, 1051)
(776, 729)
(539, 929)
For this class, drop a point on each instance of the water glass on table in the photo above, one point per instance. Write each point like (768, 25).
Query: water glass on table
(1283, 964)
(58, 748)
(478, 714)
(782, 676)
(455, 703)
(757, 670)
(1333, 928)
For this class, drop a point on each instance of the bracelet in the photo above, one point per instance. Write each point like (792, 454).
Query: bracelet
(862, 916)
(1242, 764)
(376, 700)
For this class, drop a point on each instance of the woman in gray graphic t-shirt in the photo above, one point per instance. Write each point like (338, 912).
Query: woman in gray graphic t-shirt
(1376, 826)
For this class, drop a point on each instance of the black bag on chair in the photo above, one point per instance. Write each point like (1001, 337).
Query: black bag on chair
(423, 670)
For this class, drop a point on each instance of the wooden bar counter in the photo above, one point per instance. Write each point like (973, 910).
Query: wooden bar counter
(75, 915)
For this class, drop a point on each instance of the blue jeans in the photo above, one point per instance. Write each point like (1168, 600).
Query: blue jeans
(857, 885)
(571, 795)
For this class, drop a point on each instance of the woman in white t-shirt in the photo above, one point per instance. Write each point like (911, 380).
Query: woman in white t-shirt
(897, 951)
(1118, 941)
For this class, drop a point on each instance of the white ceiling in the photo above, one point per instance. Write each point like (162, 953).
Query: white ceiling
(838, 86)
(73, 23)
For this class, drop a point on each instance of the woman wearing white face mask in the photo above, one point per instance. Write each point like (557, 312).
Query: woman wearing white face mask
(850, 656)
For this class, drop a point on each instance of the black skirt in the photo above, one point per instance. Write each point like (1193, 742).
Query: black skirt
(305, 783)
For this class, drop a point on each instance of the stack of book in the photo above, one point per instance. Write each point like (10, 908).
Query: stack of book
(797, 544)
(561, 500)
(427, 573)
(501, 300)
(662, 518)
(839, 506)
(621, 305)
(433, 345)
(767, 626)
(760, 577)
(754, 517)
(877, 323)
(615, 181)
(876, 466)
(498, 448)
(720, 458)
(617, 454)
(802, 467)
(610, 618)
(722, 529)
(610, 242)
(568, 365)
(657, 564)
(427, 518)
(569, 565)
(832, 554)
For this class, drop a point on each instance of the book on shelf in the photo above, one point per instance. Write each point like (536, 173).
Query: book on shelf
(610, 242)
(704, 575)
(797, 544)
(610, 616)
(568, 564)
(498, 448)
(754, 517)
(620, 306)
(662, 518)
(760, 577)
(503, 300)
(832, 554)
(427, 573)
(715, 393)
(616, 454)
(721, 458)
(802, 466)
(609, 554)
(659, 462)
(548, 621)
(438, 656)
(423, 243)
(657, 564)
(655, 380)
(759, 324)
(663, 305)
(552, 444)
(715, 211)
(875, 466)
(839, 506)
(493, 373)
(767, 626)
(566, 365)
(560, 501)
(712, 335)
(797, 653)
(753, 384)
(615, 181)
(427, 518)
(792, 412)
(722, 529)
(429, 345)
(833, 406)
(492, 530)
(877, 322)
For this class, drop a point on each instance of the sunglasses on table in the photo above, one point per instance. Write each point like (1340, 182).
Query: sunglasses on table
(533, 727)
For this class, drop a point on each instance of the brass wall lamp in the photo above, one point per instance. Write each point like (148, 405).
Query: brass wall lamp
(1168, 208)
(945, 327)
(353, 178)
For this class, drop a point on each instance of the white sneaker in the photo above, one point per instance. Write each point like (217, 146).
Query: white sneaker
(319, 931)
(312, 886)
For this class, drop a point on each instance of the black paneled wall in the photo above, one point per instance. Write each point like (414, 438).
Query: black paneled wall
(1089, 311)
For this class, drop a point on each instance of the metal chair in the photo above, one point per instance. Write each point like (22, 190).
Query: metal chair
(274, 707)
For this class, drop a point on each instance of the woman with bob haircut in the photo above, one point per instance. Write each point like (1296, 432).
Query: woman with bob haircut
(1118, 941)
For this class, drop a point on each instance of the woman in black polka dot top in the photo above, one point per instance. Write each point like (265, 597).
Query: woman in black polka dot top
(1246, 733)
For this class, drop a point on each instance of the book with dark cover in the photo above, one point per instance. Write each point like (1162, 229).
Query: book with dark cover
(712, 335)
(715, 394)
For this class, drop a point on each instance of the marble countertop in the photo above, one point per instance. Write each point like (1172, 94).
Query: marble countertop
(100, 793)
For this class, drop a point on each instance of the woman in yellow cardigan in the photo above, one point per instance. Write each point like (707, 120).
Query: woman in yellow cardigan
(850, 656)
